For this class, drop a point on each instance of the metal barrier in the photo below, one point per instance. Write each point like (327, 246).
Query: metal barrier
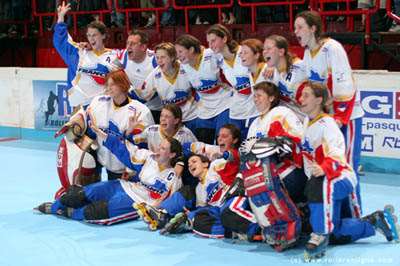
(206, 6)
(74, 14)
(253, 6)
(389, 12)
(126, 11)
(366, 12)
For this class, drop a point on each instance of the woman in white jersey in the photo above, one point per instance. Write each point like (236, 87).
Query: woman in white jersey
(214, 97)
(242, 111)
(252, 58)
(87, 68)
(113, 113)
(330, 180)
(326, 61)
(151, 180)
(170, 82)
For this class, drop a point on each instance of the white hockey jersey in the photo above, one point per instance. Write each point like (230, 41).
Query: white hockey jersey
(329, 64)
(175, 90)
(153, 135)
(211, 188)
(324, 144)
(213, 96)
(103, 113)
(236, 74)
(137, 73)
(280, 121)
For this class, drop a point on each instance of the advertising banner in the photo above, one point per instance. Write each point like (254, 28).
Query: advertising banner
(381, 122)
(51, 104)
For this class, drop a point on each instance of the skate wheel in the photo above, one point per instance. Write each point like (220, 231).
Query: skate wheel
(389, 208)
(152, 227)
(307, 257)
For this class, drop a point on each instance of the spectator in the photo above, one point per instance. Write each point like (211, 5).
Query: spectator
(150, 16)
(396, 25)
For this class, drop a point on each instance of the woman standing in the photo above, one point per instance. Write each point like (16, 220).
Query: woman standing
(213, 96)
(242, 111)
(87, 68)
(325, 61)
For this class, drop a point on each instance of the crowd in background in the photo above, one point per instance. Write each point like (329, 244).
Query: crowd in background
(19, 10)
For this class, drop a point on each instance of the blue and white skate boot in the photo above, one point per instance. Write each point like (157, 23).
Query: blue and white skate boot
(156, 218)
(316, 247)
(385, 223)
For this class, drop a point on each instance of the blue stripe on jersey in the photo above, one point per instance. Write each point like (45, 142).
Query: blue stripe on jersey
(284, 90)
(117, 147)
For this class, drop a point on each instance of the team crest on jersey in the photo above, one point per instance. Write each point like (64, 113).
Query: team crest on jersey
(213, 192)
(316, 77)
(243, 85)
(158, 75)
(306, 146)
(97, 73)
(207, 86)
(179, 99)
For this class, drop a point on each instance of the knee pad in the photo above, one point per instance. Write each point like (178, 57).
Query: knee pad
(313, 190)
(74, 197)
(96, 211)
(203, 222)
(234, 222)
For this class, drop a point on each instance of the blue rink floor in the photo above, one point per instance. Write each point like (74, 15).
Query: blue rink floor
(28, 178)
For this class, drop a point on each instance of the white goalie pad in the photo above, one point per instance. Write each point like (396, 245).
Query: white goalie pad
(69, 156)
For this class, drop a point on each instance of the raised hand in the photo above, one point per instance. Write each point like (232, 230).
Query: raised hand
(133, 122)
(62, 10)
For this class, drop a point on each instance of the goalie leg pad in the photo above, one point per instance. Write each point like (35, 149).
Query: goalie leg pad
(96, 211)
(253, 179)
(74, 197)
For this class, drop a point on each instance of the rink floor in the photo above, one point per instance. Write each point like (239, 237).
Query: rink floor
(28, 178)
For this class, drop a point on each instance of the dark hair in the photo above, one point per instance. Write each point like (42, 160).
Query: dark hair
(175, 147)
(235, 132)
(120, 79)
(312, 18)
(256, 46)
(144, 38)
(98, 25)
(282, 43)
(176, 112)
(203, 158)
(271, 89)
(221, 31)
(188, 41)
(320, 91)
